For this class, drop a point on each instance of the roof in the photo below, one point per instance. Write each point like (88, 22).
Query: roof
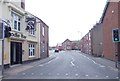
(37, 18)
(75, 41)
(67, 40)
(104, 11)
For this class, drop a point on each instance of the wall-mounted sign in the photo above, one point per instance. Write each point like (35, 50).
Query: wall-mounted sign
(18, 35)
(5, 56)
(31, 21)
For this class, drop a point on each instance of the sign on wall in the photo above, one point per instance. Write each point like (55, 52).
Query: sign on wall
(18, 35)
(30, 23)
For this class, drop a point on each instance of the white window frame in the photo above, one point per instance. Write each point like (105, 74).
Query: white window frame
(31, 32)
(31, 50)
(43, 30)
(16, 18)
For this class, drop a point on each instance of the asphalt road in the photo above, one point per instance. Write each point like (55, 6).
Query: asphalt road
(67, 65)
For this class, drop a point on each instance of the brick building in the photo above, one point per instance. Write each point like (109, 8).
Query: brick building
(44, 40)
(110, 20)
(101, 34)
(67, 45)
(85, 43)
(97, 39)
(75, 45)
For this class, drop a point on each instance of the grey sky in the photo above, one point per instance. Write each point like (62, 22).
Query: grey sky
(66, 17)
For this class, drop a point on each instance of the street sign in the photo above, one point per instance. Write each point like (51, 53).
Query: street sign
(1, 30)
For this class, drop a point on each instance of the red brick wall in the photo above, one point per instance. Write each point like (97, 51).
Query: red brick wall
(44, 40)
(110, 22)
(85, 44)
(119, 28)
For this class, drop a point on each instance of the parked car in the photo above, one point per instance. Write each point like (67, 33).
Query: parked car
(56, 50)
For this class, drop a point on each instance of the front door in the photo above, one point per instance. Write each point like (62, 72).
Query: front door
(16, 53)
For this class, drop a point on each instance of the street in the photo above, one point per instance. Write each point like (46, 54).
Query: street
(65, 65)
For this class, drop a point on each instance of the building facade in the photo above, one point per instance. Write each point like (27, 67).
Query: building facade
(67, 45)
(110, 20)
(97, 40)
(81, 45)
(44, 40)
(85, 43)
(101, 41)
(24, 44)
(75, 45)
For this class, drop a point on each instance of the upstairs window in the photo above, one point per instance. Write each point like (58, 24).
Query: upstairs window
(43, 30)
(32, 32)
(16, 21)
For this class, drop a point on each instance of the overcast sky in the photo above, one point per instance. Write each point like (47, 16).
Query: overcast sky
(67, 18)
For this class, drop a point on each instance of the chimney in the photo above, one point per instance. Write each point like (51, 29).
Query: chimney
(20, 3)
(23, 4)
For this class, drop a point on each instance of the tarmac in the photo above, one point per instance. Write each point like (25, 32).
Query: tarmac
(22, 67)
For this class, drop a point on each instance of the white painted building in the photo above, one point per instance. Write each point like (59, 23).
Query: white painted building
(24, 43)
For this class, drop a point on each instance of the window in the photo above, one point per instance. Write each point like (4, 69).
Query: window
(31, 50)
(32, 32)
(15, 21)
(43, 31)
(89, 43)
(43, 48)
(89, 37)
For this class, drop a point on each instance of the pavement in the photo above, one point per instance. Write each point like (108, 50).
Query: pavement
(65, 65)
(0, 73)
(0, 78)
(22, 67)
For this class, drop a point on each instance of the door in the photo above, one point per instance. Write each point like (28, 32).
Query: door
(16, 53)
(19, 53)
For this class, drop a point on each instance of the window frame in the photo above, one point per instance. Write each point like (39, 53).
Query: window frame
(43, 30)
(16, 21)
(31, 48)
(31, 32)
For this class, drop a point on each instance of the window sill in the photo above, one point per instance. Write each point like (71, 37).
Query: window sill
(31, 56)
(31, 35)
(16, 31)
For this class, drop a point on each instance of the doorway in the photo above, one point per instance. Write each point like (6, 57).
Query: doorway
(16, 53)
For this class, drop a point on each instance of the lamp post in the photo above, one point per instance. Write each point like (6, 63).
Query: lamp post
(2, 38)
(2, 50)
(3, 23)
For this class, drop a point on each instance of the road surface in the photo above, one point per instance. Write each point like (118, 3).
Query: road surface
(65, 65)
